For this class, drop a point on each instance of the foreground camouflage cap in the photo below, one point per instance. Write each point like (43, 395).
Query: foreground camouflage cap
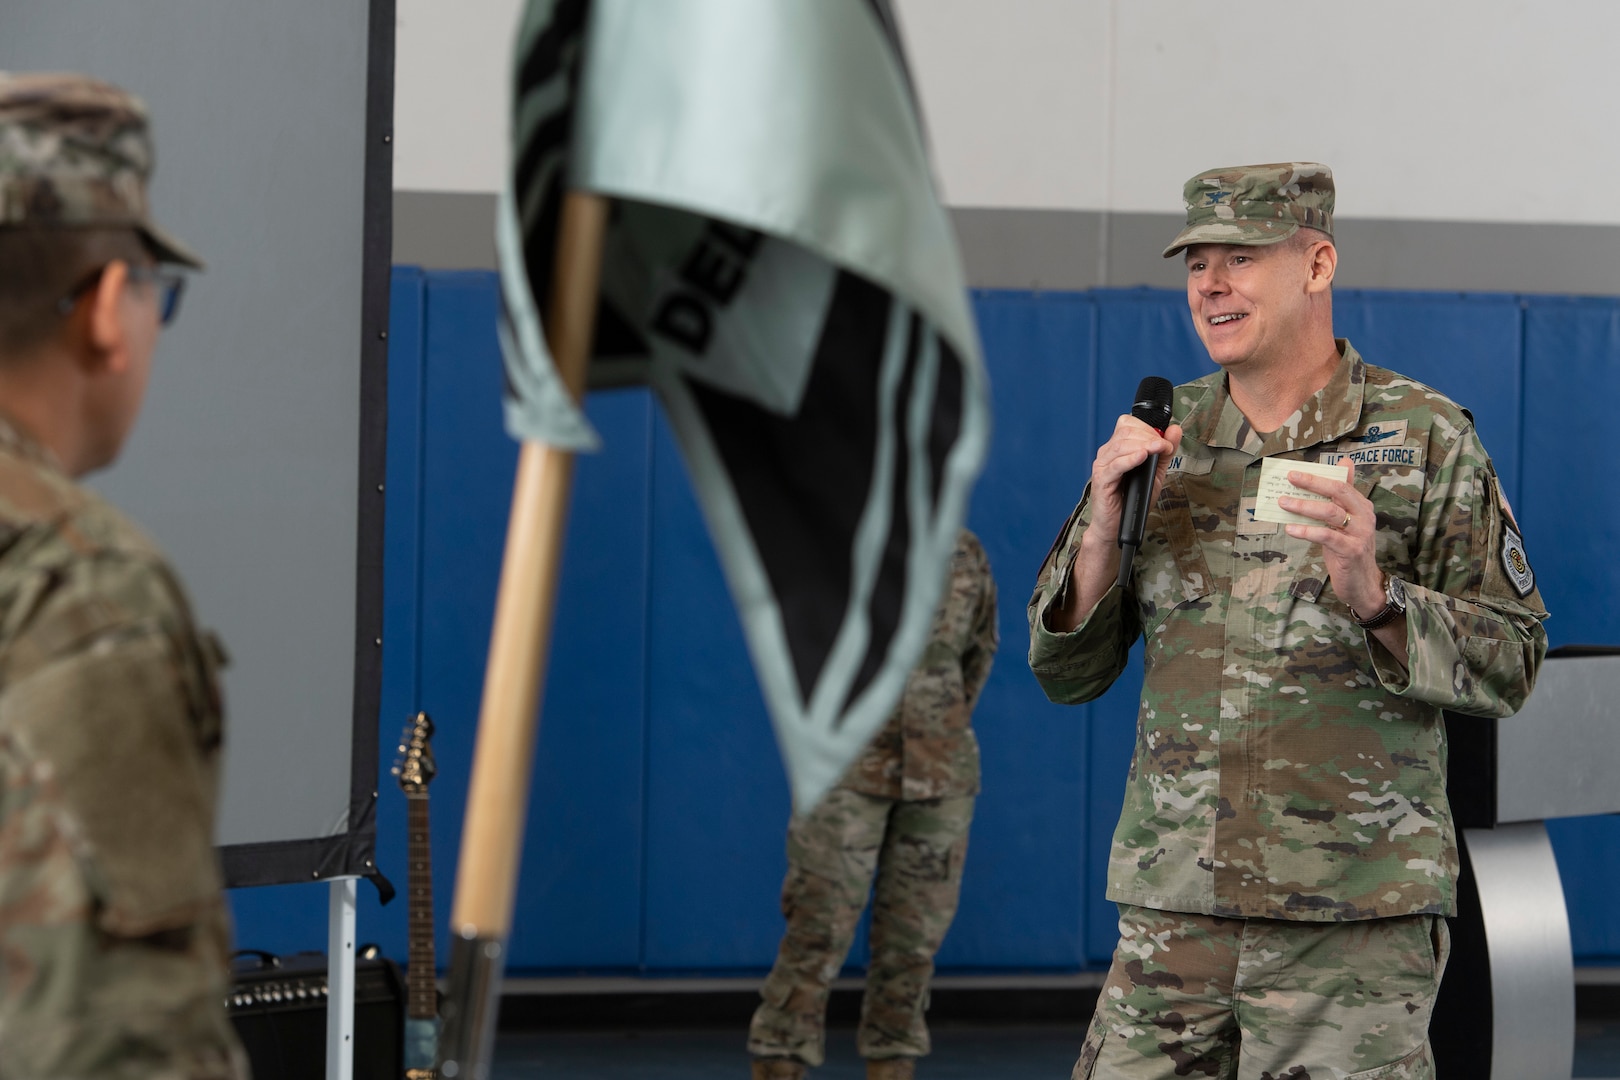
(74, 151)
(1256, 204)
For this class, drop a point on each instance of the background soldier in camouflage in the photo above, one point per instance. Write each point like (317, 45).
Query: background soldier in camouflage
(113, 933)
(1286, 853)
(901, 813)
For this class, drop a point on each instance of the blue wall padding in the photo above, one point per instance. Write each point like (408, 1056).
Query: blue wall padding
(1023, 897)
(580, 891)
(717, 803)
(450, 480)
(1569, 510)
(1588, 854)
(1468, 347)
(1567, 507)
(402, 593)
(657, 816)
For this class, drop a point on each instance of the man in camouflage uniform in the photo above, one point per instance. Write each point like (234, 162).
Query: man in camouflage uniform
(901, 813)
(113, 933)
(1286, 853)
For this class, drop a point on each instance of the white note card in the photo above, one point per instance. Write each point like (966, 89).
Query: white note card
(1274, 482)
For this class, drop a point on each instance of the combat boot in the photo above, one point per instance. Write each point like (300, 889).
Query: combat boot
(900, 1068)
(777, 1068)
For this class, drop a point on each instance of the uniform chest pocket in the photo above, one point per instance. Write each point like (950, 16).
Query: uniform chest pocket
(1396, 496)
(1171, 569)
(1397, 534)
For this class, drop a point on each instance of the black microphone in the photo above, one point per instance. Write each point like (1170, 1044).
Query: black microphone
(1153, 409)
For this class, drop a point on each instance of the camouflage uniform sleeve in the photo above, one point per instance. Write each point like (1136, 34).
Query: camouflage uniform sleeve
(114, 938)
(978, 650)
(1080, 665)
(1473, 616)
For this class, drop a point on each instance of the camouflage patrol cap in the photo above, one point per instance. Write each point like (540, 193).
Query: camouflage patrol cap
(1256, 204)
(76, 152)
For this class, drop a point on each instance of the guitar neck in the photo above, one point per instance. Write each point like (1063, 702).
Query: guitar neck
(420, 979)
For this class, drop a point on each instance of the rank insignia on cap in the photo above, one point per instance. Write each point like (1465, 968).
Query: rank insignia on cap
(1515, 563)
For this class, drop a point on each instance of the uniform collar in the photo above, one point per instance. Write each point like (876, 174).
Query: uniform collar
(15, 440)
(1328, 414)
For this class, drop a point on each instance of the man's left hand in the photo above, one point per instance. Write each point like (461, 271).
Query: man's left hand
(1348, 535)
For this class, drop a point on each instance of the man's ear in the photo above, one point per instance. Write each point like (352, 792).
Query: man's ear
(1321, 262)
(104, 325)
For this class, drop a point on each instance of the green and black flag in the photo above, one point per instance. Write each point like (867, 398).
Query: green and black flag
(779, 268)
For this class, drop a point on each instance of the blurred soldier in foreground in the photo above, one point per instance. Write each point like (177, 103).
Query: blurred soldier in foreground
(113, 933)
(1329, 563)
(901, 813)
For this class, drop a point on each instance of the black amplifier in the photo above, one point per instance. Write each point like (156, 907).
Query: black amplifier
(278, 1006)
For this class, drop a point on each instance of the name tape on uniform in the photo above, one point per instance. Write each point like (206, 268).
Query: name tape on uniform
(1411, 456)
(1190, 466)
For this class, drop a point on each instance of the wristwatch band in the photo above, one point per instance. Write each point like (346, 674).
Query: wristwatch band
(1394, 605)
(1385, 615)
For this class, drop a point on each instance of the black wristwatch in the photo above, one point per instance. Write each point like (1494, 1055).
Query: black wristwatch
(1394, 605)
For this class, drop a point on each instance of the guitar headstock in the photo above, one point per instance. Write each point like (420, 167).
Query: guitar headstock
(414, 766)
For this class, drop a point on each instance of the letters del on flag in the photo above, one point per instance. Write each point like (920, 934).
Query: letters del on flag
(779, 268)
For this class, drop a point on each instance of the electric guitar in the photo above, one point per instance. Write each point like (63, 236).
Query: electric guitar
(415, 769)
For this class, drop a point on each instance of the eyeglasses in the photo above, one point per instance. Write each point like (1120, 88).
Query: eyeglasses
(171, 285)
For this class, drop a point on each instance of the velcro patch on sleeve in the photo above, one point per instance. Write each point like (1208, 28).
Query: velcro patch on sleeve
(1516, 563)
(1502, 500)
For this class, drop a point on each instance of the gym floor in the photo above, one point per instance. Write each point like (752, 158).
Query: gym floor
(701, 1037)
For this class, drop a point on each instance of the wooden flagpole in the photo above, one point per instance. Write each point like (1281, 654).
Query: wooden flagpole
(498, 793)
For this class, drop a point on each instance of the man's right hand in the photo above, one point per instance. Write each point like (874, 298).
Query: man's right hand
(1097, 566)
(1131, 444)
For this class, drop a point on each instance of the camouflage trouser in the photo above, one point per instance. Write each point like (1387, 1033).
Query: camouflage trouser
(1262, 999)
(916, 851)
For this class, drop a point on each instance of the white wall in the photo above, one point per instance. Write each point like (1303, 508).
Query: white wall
(452, 62)
(1494, 110)
(1016, 101)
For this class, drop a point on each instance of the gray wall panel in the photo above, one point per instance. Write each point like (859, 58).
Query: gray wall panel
(1079, 249)
(245, 463)
(444, 230)
(1068, 249)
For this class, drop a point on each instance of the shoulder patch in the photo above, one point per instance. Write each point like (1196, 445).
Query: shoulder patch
(1515, 562)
